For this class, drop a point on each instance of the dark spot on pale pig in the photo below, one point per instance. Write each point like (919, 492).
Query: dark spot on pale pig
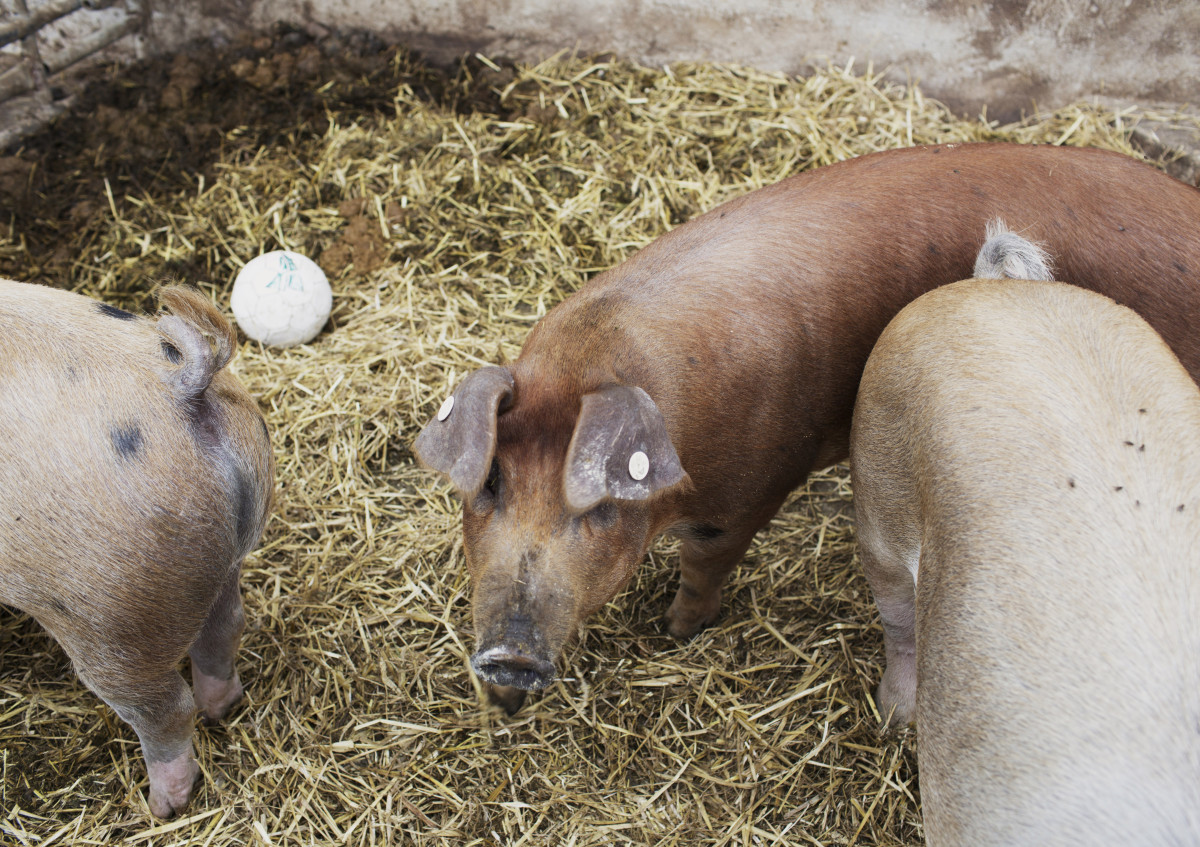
(172, 352)
(1070, 483)
(1119, 488)
(1180, 266)
(59, 606)
(1179, 508)
(244, 503)
(114, 312)
(206, 423)
(127, 439)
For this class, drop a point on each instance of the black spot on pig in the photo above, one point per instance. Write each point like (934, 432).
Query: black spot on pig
(171, 352)
(127, 439)
(244, 502)
(114, 312)
(1180, 266)
(60, 607)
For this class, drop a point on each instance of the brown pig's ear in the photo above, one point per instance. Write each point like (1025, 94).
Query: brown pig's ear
(620, 449)
(461, 438)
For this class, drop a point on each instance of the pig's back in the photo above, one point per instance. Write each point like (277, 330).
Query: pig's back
(765, 309)
(1059, 583)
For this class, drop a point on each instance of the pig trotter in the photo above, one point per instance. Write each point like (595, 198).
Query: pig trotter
(703, 566)
(215, 696)
(691, 612)
(171, 784)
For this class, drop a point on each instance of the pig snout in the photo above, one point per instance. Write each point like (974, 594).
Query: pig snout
(512, 666)
(513, 649)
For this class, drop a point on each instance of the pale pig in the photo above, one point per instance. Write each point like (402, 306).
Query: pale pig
(1026, 471)
(136, 475)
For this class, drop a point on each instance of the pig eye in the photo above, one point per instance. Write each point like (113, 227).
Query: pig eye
(492, 483)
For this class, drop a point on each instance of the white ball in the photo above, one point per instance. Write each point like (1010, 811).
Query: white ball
(281, 298)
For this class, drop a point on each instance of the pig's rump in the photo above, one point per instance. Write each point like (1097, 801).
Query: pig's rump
(136, 474)
(1051, 456)
(101, 467)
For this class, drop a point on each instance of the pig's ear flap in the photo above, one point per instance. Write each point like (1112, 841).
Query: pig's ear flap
(461, 439)
(620, 449)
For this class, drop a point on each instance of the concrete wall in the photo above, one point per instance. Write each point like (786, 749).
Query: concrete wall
(1005, 53)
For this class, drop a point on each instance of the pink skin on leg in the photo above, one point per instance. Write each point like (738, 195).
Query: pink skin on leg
(171, 784)
(215, 681)
(214, 696)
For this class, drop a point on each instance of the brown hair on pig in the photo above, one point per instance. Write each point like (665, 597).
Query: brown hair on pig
(137, 475)
(1026, 474)
(691, 388)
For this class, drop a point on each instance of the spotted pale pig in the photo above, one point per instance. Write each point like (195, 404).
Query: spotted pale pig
(137, 473)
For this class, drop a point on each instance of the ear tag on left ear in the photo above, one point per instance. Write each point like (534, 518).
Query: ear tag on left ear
(639, 465)
(446, 407)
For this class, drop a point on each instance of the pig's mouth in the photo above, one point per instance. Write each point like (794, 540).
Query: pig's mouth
(512, 668)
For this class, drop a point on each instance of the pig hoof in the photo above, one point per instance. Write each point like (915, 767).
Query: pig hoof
(895, 700)
(215, 696)
(171, 784)
(509, 699)
(684, 622)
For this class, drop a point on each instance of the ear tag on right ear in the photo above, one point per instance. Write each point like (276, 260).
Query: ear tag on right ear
(639, 465)
(446, 408)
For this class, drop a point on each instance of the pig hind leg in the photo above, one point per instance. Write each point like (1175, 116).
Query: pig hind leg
(214, 673)
(160, 709)
(893, 585)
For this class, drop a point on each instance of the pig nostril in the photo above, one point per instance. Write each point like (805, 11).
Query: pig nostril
(503, 666)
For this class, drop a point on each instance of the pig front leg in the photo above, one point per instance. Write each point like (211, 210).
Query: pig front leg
(214, 675)
(703, 567)
(160, 709)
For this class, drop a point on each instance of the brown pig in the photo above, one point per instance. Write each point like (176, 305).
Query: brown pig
(137, 473)
(691, 388)
(1026, 472)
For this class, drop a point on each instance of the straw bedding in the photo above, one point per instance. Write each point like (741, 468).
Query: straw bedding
(451, 210)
